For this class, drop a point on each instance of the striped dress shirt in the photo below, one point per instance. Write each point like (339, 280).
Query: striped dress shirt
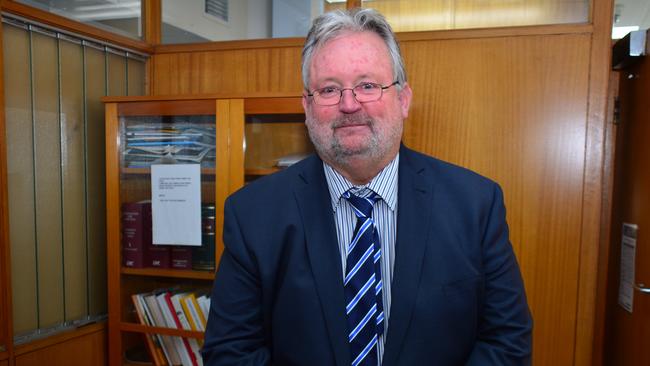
(384, 214)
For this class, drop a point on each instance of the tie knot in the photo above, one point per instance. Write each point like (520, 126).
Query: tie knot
(362, 206)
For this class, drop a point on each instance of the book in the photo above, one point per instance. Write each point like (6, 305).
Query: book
(168, 356)
(156, 256)
(181, 257)
(204, 305)
(169, 314)
(167, 343)
(203, 257)
(135, 233)
(180, 141)
(153, 346)
(185, 324)
(193, 312)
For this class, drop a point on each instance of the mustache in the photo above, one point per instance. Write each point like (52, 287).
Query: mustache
(357, 120)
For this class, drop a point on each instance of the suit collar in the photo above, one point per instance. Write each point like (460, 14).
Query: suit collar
(414, 209)
(384, 184)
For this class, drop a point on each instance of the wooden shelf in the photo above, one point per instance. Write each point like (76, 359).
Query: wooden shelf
(261, 171)
(147, 171)
(139, 328)
(173, 273)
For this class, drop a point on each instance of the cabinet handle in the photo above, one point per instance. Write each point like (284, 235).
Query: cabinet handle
(641, 288)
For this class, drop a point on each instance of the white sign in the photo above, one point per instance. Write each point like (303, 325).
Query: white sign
(176, 204)
(628, 253)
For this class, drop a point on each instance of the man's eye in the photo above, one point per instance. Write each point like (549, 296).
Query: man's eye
(367, 86)
(328, 91)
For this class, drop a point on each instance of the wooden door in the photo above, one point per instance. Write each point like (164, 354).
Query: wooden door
(627, 335)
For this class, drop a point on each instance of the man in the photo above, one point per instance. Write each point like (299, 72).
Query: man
(367, 253)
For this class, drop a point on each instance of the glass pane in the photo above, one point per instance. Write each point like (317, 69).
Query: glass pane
(95, 65)
(629, 16)
(73, 170)
(188, 22)
(20, 174)
(47, 160)
(273, 142)
(166, 139)
(422, 15)
(117, 16)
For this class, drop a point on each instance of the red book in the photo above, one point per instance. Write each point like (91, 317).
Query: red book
(186, 344)
(157, 256)
(134, 234)
(181, 256)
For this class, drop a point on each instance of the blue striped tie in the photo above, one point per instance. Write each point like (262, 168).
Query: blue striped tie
(363, 284)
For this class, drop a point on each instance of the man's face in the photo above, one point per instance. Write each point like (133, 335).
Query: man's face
(350, 129)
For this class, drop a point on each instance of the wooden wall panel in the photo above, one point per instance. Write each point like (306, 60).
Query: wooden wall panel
(512, 107)
(419, 15)
(83, 348)
(264, 69)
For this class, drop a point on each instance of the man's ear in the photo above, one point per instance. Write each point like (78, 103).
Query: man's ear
(304, 102)
(405, 99)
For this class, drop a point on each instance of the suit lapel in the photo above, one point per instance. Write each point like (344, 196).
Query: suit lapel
(313, 198)
(414, 207)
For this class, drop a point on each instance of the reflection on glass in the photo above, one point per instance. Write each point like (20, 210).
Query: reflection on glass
(274, 142)
(118, 16)
(422, 15)
(628, 17)
(188, 21)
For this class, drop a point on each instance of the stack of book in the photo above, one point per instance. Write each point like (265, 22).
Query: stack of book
(138, 251)
(160, 143)
(178, 310)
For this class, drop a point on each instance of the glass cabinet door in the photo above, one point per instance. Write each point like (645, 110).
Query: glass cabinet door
(168, 134)
(274, 138)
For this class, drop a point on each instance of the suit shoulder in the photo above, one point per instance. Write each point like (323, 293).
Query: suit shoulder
(446, 172)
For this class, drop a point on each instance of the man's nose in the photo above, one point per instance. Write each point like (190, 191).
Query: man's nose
(349, 103)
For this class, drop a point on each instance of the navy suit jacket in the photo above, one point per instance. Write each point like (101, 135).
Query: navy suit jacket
(457, 293)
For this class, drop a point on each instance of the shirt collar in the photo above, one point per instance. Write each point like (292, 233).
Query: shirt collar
(384, 184)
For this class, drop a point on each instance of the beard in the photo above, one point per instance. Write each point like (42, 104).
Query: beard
(373, 147)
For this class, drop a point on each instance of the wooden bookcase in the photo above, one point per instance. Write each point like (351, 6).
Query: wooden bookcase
(253, 132)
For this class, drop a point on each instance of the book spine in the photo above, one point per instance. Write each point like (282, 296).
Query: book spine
(196, 308)
(150, 320)
(192, 312)
(181, 345)
(203, 257)
(157, 256)
(184, 324)
(181, 257)
(159, 321)
(133, 234)
(154, 349)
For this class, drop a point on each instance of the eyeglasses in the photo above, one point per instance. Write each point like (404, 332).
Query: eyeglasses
(363, 93)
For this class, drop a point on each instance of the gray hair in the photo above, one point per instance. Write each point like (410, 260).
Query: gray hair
(332, 24)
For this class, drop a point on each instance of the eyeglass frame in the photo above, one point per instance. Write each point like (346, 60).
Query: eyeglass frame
(315, 92)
